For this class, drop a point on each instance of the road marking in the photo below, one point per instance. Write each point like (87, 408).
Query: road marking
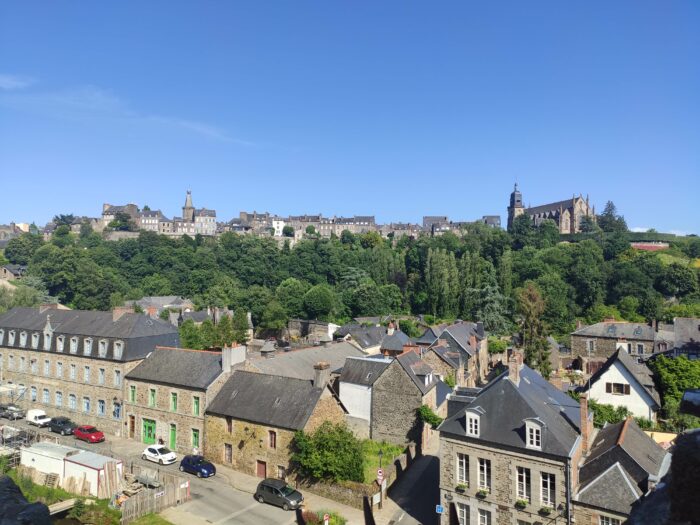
(237, 513)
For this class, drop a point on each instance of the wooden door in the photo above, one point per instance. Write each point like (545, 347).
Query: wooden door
(132, 426)
(261, 469)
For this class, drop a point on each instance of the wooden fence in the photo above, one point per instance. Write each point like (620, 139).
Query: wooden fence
(173, 491)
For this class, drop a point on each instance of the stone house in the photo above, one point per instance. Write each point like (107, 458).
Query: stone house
(11, 272)
(446, 362)
(404, 386)
(250, 424)
(514, 465)
(355, 388)
(470, 341)
(623, 381)
(601, 340)
(72, 363)
(168, 393)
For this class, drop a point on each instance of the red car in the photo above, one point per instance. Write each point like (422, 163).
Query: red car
(89, 433)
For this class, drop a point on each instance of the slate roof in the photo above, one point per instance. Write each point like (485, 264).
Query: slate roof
(179, 367)
(140, 333)
(162, 301)
(686, 331)
(198, 316)
(451, 357)
(428, 337)
(299, 363)
(365, 336)
(551, 207)
(280, 402)
(417, 370)
(395, 341)
(618, 330)
(363, 371)
(532, 397)
(613, 490)
(442, 390)
(16, 269)
(640, 372)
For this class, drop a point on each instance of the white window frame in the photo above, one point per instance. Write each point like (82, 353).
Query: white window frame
(45, 396)
(58, 398)
(473, 424)
(59, 369)
(462, 513)
(73, 345)
(101, 376)
(484, 516)
(462, 468)
(11, 337)
(2, 335)
(60, 343)
(73, 372)
(485, 474)
(608, 520)
(47, 340)
(47, 367)
(35, 340)
(23, 339)
(117, 379)
(118, 349)
(547, 489)
(72, 402)
(103, 345)
(86, 374)
(33, 394)
(33, 366)
(101, 407)
(87, 346)
(524, 484)
(86, 405)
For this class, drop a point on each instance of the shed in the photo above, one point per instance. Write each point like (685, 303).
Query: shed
(91, 465)
(47, 457)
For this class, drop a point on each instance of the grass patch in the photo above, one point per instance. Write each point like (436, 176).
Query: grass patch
(370, 451)
(151, 519)
(33, 492)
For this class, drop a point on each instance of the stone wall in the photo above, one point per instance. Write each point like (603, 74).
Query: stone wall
(183, 418)
(441, 368)
(604, 347)
(395, 399)
(500, 501)
(327, 409)
(92, 389)
(584, 515)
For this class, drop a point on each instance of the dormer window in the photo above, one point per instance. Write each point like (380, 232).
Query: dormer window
(23, 339)
(35, 341)
(473, 423)
(73, 345)
(60, 341)
(118, 349)
(87, 346)
(11, 337)
(533, 433)
(2, 336)
(47, 340)
(102, 350)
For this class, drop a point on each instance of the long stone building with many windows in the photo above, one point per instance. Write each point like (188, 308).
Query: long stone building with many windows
(72, 363)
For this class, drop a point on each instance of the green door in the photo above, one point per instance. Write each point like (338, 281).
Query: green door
(149, 431)
(173, 436)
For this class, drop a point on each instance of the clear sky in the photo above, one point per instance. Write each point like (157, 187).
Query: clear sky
(397, 109)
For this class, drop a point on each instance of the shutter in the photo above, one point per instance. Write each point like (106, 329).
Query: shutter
(627, 390)
(608, 388)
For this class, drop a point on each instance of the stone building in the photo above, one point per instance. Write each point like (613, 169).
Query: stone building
(403, 387)
(507, 451)
(168, 393)
(601, 340)
(567, 214)
(72, 363)
(446, 363)
(12, 272)
(470, 341)
(251, 423)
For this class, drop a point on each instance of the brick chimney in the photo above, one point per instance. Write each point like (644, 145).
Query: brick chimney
(515, 363)
(152, 311)
(410, 347)
(390, 329)
(118, 311)
(579, 324)
(472, 341)
(322, 373)
(585, 423)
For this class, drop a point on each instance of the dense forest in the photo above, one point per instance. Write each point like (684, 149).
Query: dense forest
(483, 274)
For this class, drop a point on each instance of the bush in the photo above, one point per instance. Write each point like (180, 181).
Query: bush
(426, 415)
(331, 452)
(496, 345)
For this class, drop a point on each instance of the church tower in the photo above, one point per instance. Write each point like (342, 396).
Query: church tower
(516, 206)
(188, 209)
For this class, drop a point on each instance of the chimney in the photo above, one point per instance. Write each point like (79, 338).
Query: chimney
(584, 423)
(410, 347)
(47, 306)
(579, 324)
(480, 329)
(322, 373)
(390, 329)
(472, 341)
(232, 356)
(118, 311)
(152, 311)
(514, 364)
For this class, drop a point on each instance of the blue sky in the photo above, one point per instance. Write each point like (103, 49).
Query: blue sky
(397, 109)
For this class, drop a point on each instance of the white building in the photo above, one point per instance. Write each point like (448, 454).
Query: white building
(622, 381)
(356, 382)
(47, 457)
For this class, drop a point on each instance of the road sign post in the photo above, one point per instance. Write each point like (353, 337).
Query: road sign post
(380, 482)
(326, 518)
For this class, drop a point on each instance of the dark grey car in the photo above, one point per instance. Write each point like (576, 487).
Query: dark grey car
(11, 412)
(277, 492)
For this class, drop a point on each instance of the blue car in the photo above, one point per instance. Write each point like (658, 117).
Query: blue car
(197, 465)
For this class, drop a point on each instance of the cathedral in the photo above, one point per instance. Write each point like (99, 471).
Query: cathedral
(567, 214)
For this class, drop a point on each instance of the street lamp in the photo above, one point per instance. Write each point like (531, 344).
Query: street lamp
(381, 453)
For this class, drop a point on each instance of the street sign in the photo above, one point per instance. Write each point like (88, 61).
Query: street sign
(380, 475)
(439, 509)
(326, 519)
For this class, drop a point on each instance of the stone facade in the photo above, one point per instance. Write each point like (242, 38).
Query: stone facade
(51, 381)
(395, 399)
(247, 446)
(502, 491)
(443, 369)
(586, 515)
(188, 424)
(567, 214)
(604, 347)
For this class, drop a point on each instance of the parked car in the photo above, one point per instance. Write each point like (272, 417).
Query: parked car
(62, 425)
(277, 492)
(38, 417)
(197, 465)
(11, 412)
(159, 454)
(89, 434)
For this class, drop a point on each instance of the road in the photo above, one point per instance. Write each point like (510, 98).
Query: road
(417, 494)
(214, 500)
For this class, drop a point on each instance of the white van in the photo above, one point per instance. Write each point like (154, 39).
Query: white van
(37, 417)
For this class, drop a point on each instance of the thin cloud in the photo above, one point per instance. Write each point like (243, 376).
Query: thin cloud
(91, 102)
(14, 82)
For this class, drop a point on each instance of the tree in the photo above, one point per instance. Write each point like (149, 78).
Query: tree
(589, 225)
(20, 250)
(319, 302)
(240, 326)
(331, 452)
(523, 232)
(189, 335)
(290, 294)
(224, 332)
(347, 237)
(531, 306)
(207, 334)
(122, 222)
(678, 281)
(274, 317)
(442, 283)
(288, 231)
(310, 230)
(610, 221)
